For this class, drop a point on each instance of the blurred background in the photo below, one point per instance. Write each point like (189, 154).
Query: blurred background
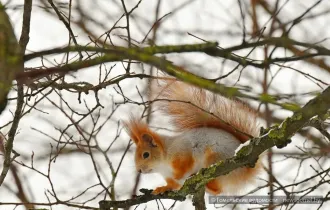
(73, 149)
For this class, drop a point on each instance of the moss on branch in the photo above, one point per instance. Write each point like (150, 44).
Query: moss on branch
(10, 57)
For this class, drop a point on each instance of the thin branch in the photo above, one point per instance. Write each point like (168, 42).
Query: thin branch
(67, 24)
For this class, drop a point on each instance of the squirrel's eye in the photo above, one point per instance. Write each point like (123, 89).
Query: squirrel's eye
(145, 155)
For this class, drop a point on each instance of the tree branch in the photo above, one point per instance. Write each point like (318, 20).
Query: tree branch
(144, 55)
(209, 48)
(10, 57)
(10, 64)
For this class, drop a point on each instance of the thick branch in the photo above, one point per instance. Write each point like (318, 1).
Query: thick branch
(209, 48)
(204, 47)
(199, 200)
(10, 64)
(10, 57)
(139, 199)
(120, 53)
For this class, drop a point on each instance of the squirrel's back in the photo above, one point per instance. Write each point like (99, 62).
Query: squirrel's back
(193, 107)
(199, 140)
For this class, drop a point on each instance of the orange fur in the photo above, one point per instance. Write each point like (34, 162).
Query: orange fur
(171, 185)
(210, 156)
(193, 107)
(136, 128)
(182, 164)
(214, 187)
(251, 172)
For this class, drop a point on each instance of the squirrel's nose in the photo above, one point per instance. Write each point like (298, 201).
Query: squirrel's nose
(140, 171)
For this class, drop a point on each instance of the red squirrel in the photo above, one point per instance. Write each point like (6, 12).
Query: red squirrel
(211, 128)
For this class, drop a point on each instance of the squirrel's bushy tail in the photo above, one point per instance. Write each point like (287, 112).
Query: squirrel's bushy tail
(193, 107)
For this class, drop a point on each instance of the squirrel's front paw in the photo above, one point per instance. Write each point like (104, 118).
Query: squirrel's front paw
(160, 190)
(171, 185)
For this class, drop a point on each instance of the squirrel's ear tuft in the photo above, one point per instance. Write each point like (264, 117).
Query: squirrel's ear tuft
(138, 130)
(147, 138)
(134, 127)
(140, 133)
